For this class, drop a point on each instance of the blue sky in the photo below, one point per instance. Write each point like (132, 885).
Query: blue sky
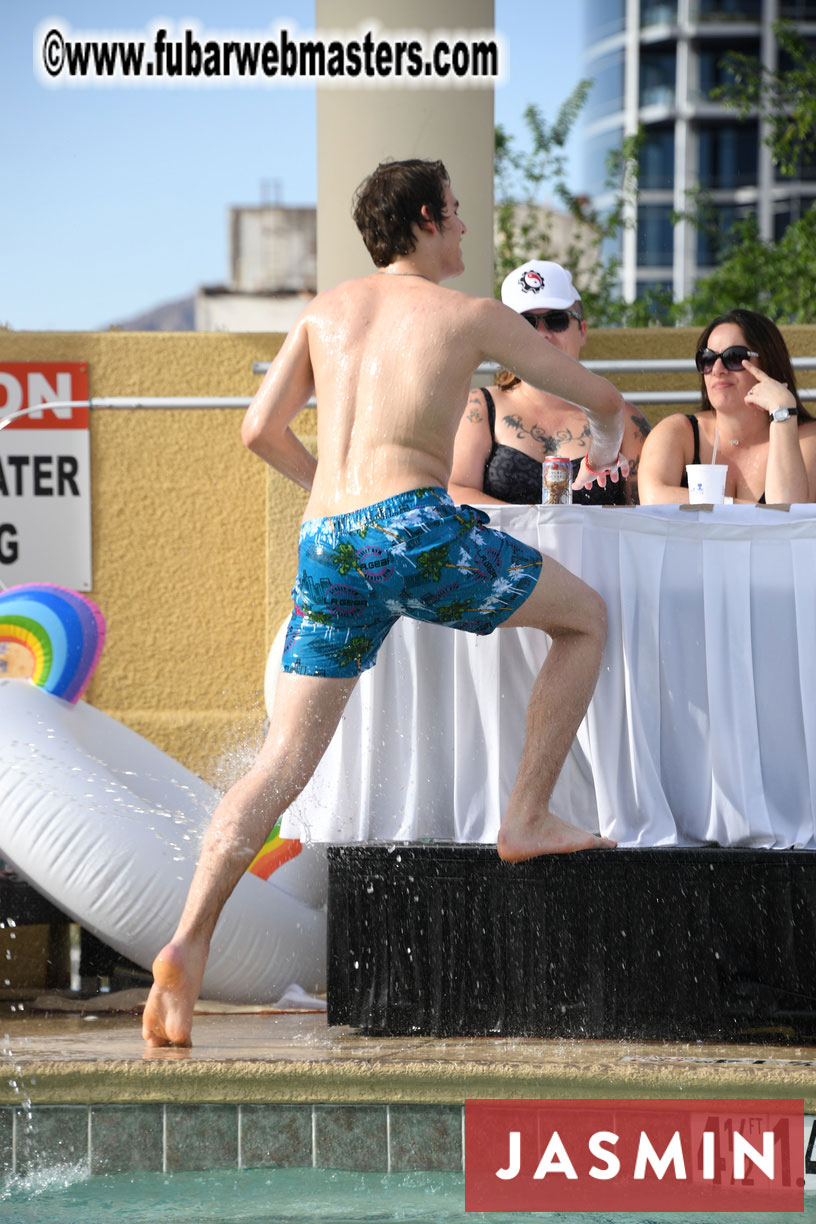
(115, 200)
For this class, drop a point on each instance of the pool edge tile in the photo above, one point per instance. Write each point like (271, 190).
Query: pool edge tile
(352, 1137)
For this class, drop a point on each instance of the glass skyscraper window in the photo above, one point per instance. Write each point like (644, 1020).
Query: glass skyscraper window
(786, 60)
(804, 169)
(695, 147)
(612, 245)
(606, 95)
(655, 12)
(596, 154)
(728, 155)
(728, 10)
(712, 238)
(657, 77)
(712, 72)
(655, 235)
(787, 211)
(652, 286)
(656, 169)
(604, 18)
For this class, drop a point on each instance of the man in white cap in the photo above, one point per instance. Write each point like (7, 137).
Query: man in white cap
(507, 430)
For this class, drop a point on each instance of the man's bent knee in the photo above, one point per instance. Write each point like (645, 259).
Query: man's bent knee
(588, 617)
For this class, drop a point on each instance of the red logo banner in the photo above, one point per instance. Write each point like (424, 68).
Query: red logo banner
(31, 384)
(634, 1155)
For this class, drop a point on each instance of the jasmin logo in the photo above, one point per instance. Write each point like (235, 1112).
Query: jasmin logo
(664, 1155)
(531, 282)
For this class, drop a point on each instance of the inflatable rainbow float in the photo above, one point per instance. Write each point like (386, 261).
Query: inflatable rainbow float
(108, 827)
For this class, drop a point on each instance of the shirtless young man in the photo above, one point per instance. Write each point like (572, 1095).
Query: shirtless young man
(390, 357)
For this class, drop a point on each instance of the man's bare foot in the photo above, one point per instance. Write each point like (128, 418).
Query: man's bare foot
(168, 1013)
(548, 834)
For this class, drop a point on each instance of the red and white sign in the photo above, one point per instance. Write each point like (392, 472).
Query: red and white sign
(45, 475)
(634, 1155)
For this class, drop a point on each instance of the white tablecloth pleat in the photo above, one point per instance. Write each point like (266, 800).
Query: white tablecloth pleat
(702, 728)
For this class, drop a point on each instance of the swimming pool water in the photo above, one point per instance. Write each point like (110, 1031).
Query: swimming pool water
(293, 1196)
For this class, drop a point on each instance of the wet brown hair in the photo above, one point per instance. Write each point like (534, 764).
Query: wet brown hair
(764, 337)
(388, 205)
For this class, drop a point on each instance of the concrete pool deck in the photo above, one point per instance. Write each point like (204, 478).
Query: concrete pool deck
(275, 1090)
(266, 1058)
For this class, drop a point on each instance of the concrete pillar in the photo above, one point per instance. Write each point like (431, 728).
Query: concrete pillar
(358, 128)
(631, 113)
(769, 54)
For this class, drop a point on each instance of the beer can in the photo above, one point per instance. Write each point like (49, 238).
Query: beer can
(556, 487)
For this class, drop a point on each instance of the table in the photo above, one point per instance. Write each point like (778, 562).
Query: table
(702, 729)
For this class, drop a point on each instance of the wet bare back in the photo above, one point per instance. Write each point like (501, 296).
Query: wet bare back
(390, 358)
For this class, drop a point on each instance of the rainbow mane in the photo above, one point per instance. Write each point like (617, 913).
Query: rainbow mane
(64, 632)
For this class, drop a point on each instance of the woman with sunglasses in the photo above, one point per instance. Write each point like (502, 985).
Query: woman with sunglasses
(507, 430)
(750, 402)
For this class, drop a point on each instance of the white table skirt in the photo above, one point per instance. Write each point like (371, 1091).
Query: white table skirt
(702, 728)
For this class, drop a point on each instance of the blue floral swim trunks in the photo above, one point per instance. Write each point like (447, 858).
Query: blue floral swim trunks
(417, 555)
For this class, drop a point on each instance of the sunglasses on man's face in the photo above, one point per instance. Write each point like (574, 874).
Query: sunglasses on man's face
(732, 358)
(553, 320)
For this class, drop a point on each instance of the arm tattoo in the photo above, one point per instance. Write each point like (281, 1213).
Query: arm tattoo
(474, 406)
(641, 425)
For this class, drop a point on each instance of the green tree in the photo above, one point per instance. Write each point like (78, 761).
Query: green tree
(773, 277)
(524, 227)
(520, 174)
(784, 97)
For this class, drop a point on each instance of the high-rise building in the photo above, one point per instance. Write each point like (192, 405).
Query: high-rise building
(655, 64)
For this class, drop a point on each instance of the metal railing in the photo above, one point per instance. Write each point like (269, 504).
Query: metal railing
(668, 365)
(682, 365)
(487, 369)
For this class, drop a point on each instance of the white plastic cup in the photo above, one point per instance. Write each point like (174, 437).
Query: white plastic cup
(706, 483)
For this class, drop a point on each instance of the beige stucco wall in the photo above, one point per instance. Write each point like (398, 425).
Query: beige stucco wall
(194, 539)
(179, 521)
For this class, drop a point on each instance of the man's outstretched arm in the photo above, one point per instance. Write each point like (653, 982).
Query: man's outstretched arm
(507, 338)
(286, 388)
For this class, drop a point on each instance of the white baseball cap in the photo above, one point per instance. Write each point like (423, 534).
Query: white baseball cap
(539, 285)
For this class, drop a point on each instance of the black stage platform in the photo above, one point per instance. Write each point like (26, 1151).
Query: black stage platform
(446, 940)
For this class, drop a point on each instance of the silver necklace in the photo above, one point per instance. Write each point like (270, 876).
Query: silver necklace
(421, 275)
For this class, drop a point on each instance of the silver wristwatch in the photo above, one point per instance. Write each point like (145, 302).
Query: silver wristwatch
(782, 414)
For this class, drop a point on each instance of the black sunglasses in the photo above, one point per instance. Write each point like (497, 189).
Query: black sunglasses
(732, 358)
(554, 320)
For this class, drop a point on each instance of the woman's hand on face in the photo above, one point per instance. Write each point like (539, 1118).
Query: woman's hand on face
(767, 393)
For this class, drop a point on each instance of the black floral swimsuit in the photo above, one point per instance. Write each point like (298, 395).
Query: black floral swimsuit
(512, 476)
